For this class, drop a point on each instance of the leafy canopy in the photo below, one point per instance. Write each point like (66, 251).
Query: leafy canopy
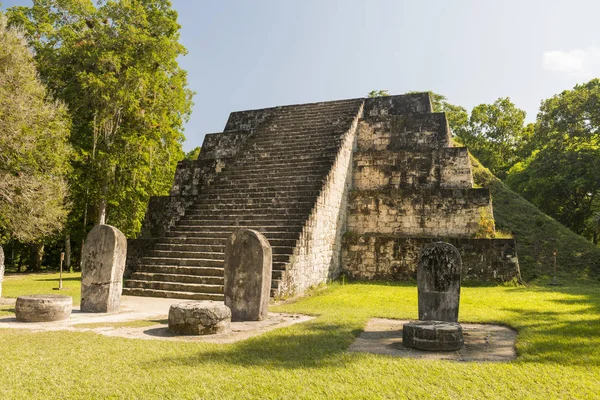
(34, 147)
(115, 65)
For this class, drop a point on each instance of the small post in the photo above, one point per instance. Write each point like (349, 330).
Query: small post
(554, 281)
(62, 258)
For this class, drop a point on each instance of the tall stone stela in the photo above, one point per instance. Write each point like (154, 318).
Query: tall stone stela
(248, 265)
(438, 280)
(102, 268)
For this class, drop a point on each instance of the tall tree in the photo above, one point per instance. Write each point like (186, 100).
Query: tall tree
(115, 66)
(562, 177)
(34, 149)
(494, 134)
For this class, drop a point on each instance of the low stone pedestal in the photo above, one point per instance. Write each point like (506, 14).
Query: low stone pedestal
(199, 318)
(433, 335)
(43, 308)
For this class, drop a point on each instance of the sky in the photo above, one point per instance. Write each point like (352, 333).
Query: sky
(262, 53)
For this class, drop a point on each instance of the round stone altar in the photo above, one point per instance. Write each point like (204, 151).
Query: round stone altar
(199, 318)
(433, 335)
(43, 308)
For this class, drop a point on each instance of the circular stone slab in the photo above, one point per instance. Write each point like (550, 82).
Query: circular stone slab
(433, 335)
(43, 307)
(199, 318)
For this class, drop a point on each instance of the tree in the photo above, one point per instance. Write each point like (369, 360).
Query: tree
(193, 154)
(494, 134)
(378, 93)
(562, 177)
(115, 66)
(594, 226)
(34, 149)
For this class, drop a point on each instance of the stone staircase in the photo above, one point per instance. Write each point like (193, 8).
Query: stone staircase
(270, 185)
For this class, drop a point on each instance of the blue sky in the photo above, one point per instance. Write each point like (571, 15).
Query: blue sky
(254, 54)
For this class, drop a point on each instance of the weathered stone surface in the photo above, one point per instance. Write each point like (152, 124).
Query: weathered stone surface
(43, 308)
(248, 264)
(438, 280)
(102, 269)
(1, 269)
(433, 335)
(199, 318)
(389, 257)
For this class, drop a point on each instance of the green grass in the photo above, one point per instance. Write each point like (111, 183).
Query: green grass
(558, 346)
(16, 285)
(537, 234)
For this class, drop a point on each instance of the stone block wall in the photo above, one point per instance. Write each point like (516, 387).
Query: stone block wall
(412, 187)
(317, 256)
(399, 132)
(447, 168)
(389, 257)
(426, 212)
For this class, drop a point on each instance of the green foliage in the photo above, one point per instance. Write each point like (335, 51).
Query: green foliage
(115, 66)
(378, 93)
(537, 235)
(557, 345)
(561, 175)
(34, 149)
(193, 154)
(494, 134)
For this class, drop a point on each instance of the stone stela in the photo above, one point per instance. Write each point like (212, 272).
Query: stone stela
(248, 264)
(102, 268)
(438, 281)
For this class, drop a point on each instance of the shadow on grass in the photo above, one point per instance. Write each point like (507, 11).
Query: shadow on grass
(72, 279)
(568, 336)
(310, 345)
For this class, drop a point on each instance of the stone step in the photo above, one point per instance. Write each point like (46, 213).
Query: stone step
(220, 228)
(254, 186)
(292, 151)
(175, 286)
(281, 171)
(276, 165)
(240, 220)
(235, 209)
(195, 270)
(218, 242)
(179, 278)
(185, 262)
(258, 196)
(172, 294)
(176, 256)
(224, 234)
(306, 145)
(252, 161)
(256, 180)
(203, 248)
(180, 270)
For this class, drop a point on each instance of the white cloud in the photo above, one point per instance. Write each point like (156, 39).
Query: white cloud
(581, 63)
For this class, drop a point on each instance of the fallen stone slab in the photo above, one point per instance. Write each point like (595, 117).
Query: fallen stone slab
(43, 308)
(199, 318)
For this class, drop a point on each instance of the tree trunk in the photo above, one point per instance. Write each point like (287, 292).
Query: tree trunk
(68, 253)
(83, 228)
(35, 256)
(102, 204)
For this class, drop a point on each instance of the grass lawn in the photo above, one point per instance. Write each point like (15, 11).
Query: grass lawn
(558, 346)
